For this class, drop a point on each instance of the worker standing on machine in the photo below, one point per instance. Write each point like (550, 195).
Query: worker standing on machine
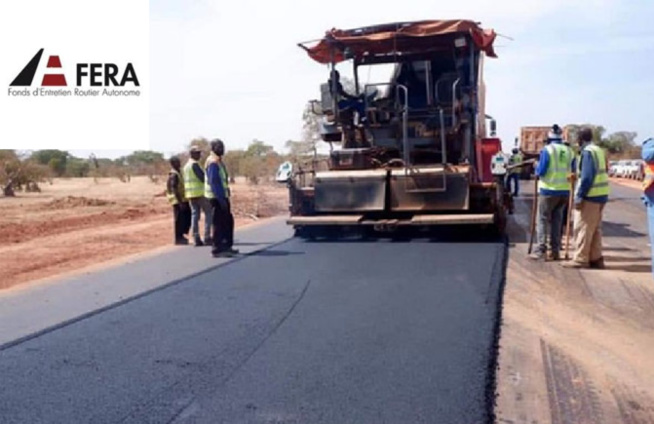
(555, 165)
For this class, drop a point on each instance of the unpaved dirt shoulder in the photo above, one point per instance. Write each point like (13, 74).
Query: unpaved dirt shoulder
(576, 345)
(78, 223)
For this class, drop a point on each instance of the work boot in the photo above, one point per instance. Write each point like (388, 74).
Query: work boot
(222, 254)
(598, 264)
(574, 264)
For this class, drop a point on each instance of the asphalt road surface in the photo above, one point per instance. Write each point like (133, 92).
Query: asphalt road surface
(303, 332)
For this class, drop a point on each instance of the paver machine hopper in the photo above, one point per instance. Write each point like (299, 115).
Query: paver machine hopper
(412, 150)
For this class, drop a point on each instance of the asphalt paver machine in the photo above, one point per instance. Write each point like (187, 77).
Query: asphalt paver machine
(412, 150)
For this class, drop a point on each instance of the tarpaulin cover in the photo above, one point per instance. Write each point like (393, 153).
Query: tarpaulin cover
(410, 37)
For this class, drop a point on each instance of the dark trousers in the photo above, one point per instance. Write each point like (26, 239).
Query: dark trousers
(550, 217)
(515, 179)
(223, 226)
(182, 220)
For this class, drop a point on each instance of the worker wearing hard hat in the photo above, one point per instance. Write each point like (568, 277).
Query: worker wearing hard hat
(555, 169)
(591, 195)
(194, 186)
(647, 154)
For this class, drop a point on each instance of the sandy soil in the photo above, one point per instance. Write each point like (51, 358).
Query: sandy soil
(576, 344)
(74, 223)
(627, 182)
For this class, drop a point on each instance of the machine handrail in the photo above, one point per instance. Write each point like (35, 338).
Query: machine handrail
(454, 101)
(404, 110)
(405, 121)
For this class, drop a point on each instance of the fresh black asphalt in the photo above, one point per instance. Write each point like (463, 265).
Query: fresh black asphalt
(324, 332)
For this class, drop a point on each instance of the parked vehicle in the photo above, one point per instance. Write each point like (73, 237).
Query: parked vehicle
(634, 169)
(613, 164)
(621, 168)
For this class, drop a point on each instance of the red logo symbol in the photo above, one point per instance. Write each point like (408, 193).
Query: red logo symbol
(54, 79)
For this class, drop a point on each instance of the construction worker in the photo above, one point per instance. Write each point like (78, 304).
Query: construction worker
(575, 160)
(647, 154)
(514, 174)
(176, 197)
(194, 186)
(591, 195)
(554, 172)
(216, 189)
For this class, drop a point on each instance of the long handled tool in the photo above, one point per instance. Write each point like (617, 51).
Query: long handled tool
(567, 224)
(534, 207)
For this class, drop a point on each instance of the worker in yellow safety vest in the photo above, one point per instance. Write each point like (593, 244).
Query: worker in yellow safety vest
(177, 198)
(514, 173)
(216, 189)
(647, 154)
(194, 186)
(590, 197)
(555, 170)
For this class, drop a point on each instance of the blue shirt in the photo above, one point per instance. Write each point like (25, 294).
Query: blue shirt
(216, 183)
(647, 154)
(588, 172)
(543, 164)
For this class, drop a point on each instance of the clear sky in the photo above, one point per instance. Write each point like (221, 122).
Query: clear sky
(233, 69)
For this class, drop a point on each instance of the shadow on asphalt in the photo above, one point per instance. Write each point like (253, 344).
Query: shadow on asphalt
(616, 229)
(645, 269)
(454, 234)
(618, 249)
(274, 253)
(626, 258)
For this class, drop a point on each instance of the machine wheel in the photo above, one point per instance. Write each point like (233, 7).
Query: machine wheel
(500, 223)
(304, 233)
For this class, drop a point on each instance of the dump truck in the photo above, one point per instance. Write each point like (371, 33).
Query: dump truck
(413, 150)
(532, 140)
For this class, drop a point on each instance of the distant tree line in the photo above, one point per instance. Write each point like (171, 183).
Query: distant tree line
(258, 162)
(620, 144)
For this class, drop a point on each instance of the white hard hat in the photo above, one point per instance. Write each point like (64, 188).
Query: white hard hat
(553, 135)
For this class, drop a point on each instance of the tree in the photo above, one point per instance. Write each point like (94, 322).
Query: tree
(234, 162)
(619, 142)
(299, 149)
(55, 160)
(259, 161)
(259, 149)
(144, 162)
(17, 172)
(310, 131)
(77, 168)
(140, 157)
